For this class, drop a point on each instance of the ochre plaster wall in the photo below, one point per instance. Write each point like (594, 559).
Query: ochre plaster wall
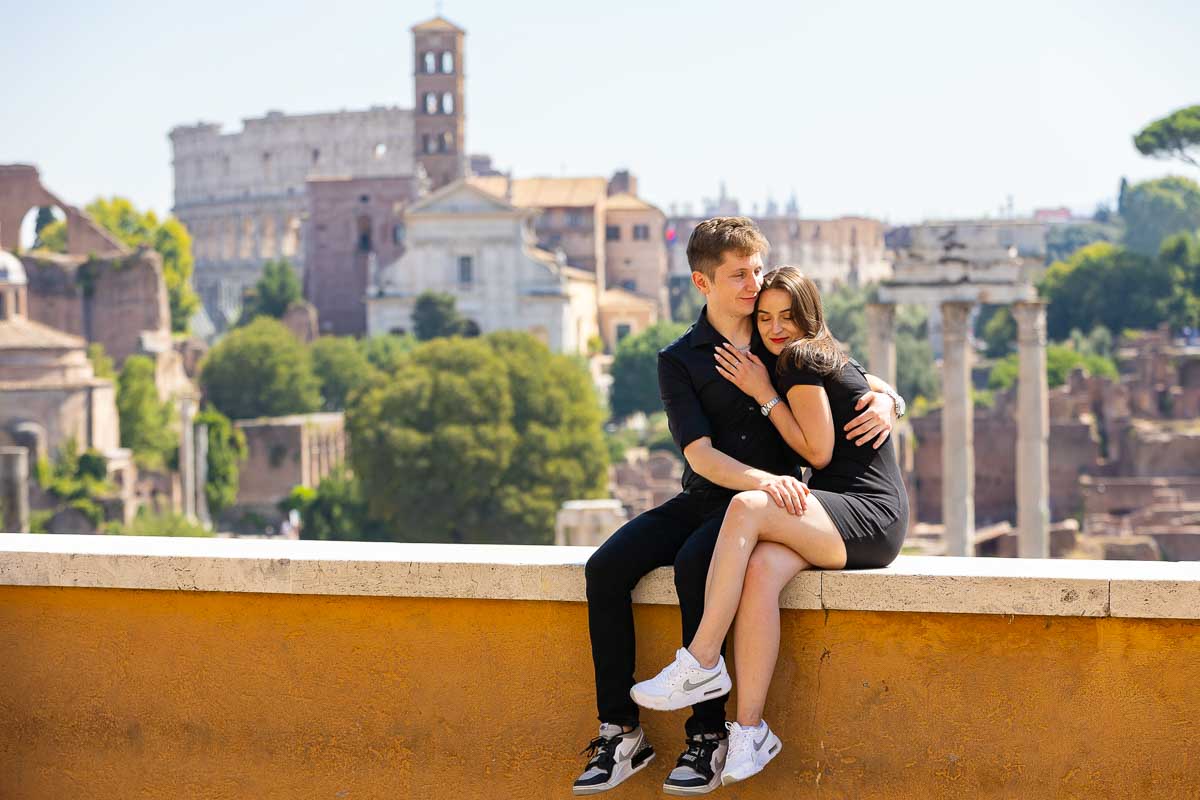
(109, 693)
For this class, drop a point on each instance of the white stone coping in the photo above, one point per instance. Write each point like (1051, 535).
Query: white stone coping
(926, 584)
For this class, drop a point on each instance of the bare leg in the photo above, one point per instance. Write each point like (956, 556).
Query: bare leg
(754, 517)
(756, 628)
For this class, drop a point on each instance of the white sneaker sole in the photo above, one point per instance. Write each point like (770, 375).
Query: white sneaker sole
(772, 746)
(612, 783)
(689, 791)
(679, 699)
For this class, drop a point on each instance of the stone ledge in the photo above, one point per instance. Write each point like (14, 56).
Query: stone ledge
(514, 572)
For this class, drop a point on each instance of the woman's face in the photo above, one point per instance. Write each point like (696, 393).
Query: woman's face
(774, 318)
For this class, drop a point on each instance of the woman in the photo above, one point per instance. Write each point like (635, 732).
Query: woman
(856, 515)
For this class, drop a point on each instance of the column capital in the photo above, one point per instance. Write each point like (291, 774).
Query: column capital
(954, 320)
(1031, 322)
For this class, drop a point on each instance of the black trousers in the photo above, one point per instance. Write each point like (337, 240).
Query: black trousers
(683, 532)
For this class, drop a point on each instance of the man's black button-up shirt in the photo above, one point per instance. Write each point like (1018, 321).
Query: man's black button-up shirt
(699, 402)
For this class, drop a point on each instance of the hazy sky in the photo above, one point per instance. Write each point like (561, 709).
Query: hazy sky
(899, 110)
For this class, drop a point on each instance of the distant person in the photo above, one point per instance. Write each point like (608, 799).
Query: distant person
(729, 445)
(856, 516)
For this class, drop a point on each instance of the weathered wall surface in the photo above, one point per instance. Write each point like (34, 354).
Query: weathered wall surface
(165, 694)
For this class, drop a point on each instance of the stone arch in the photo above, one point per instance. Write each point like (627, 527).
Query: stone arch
(268, 243)
(228, 227)
(290, 240)
(21, 189)
(246, 239)
(31, 237)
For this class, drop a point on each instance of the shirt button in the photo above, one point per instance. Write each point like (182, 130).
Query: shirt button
(743, 437)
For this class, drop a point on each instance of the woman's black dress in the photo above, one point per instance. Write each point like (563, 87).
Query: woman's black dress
(861, 488)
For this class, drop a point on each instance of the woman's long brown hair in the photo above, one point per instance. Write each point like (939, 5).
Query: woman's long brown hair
(816, 349)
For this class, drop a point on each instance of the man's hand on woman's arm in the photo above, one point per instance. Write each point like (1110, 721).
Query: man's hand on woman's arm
(878, 417)
(787, 491)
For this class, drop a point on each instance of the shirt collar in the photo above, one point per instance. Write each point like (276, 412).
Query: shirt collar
(704, 334)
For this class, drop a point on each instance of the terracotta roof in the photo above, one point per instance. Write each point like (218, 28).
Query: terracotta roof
(438, 23)
(20, 333)
(627, 202)
(546, 192)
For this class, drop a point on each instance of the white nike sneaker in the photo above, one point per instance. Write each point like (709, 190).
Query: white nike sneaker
(682, 683)
(613, 757)
(749, 751)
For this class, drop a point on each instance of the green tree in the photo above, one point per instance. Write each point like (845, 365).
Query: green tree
(635, 369)
(102, 365)
(1180, 255)
(50, 233)
(275, 292)
(996, 326)
(75, 480)
(1060, 360)
(260, 370)
(385, 352)
(846, 318)
(148, 523)
(1104, 284)
(560, 453)
(916, 372)
(169, 238)
(1157, 209)
(435, 316)
(334, 510)
(341, 367)
(1176, 135)
(226, 450)
(477, 440)
(433, 442)
(147, 423)
(1063, 240)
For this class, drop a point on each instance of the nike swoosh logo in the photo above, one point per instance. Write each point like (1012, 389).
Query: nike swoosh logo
(758, 745)
(689, 686)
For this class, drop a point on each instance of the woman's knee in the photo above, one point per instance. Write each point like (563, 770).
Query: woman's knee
(748, 503)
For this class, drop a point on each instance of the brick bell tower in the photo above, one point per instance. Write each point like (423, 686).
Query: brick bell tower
(438, 94)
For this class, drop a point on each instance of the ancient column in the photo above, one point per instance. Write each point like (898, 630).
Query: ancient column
(187, 455)
(958, 432)
(881, 340)
(201, 446)
(1033, 433)
(14, 490)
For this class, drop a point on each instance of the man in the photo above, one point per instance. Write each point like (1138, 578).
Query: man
(729, 445)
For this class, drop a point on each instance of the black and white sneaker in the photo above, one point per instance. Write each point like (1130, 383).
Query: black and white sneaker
(698, 770)
(612, 757)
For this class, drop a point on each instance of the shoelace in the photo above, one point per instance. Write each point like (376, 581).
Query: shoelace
(698, 756)
(736, 743)
(601, 752)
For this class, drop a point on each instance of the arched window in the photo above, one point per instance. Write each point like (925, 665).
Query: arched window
(431, 103)
(427, 143)
(447, 103)
(445, 143)
(447, 62)
(430, 63)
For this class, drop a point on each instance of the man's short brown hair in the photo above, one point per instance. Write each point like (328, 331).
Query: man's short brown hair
(715, 237)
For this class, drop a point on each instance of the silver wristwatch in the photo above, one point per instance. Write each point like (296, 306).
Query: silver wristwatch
(898, 401)
(766, 407)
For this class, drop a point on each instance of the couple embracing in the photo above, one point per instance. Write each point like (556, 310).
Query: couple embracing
(756, 390)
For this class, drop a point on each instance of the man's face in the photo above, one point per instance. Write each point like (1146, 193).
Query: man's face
(734, 286)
